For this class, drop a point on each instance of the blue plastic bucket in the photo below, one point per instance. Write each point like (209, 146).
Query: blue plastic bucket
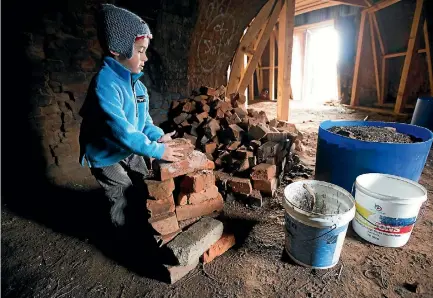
(314, 237)
(423, 113)
(340, 160)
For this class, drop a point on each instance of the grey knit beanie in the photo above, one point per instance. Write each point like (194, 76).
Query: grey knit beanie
(119, 28)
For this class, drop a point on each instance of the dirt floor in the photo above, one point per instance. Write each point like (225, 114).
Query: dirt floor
(45, 254)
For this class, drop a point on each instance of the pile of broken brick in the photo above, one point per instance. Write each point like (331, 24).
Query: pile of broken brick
(183, 203)
(250, 151)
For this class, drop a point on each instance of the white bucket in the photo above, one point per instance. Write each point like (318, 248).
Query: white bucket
(315, 238)
(387, 207)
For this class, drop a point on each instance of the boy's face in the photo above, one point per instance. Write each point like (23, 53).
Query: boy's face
(136, 63)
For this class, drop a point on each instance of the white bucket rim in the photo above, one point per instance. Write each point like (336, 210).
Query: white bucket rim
(388, 198)
(341, 216)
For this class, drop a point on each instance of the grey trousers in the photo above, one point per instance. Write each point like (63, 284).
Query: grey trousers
(122, 183)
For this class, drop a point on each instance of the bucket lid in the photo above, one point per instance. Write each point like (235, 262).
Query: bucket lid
(391, 188)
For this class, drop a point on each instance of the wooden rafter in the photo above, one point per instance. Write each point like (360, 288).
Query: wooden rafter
(315, 6)
(351, 2)
(354, 97)
(285, 45)
(263, 40)
(376, 67)
(381, 5)
(399, 105)
(249, 37)
(379, 36)
(272, 66)
(428, 57)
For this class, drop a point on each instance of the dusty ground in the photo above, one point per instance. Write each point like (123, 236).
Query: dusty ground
(45, 254)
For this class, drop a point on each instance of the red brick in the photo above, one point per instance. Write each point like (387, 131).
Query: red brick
(218, 248)
(194, 161)
(160, 190)
(197, 181)
(264, 171)
(193, 139)
(210, 147)
(234, 145)
(162, 206)
(239, 185)
(204, 208)
(255, 198)
(258, 132)
(237, 131)
(243, 153)
(207, 194)
(165, 224)
(266, 186)
(183, 224)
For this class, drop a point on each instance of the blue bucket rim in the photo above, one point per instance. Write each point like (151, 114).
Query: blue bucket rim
(360, 122)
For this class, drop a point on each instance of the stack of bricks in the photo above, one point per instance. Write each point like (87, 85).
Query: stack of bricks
(182, 201)
(240, 141)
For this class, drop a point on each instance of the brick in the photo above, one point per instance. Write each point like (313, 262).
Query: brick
(243, 153)
(257, 132)
(255, 198)
(194, 161)
(266, 186)
(192, 243)
(264, 171)
(237, 131)
(200, 197)
(183, 224)
(197, 181)
(254, 145)
(233, 119)
(280, 136)
(240, 112)
(233, 145)
(176, 273)
(205, 107)
(199, 118)
(161, 206)
(268, 149)
(226, 242)
(239, 185)
(204, 208)
(211, 128)
(159, 190)
(210, 147)
(225, 106)
(164, 224)
(188, 107)
(273, 122)
(179, 119)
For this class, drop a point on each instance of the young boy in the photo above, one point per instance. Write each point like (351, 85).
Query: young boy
(117, 130)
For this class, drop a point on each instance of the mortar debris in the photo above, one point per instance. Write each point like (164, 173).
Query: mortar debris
(374, 134)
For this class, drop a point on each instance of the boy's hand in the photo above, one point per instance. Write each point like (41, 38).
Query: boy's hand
(167, 137)
(172, 153)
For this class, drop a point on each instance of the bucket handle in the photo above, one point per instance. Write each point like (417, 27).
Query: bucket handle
(334, 226)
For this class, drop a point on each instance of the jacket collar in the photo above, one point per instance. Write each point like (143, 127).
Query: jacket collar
(121, 70)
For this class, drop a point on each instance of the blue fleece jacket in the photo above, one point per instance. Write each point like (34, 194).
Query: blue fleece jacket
(116, 121)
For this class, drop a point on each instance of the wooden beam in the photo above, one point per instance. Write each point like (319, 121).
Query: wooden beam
(394, 55)
(354, 97)
(428, 57)
(252, 64)
(360, 3)
(381, 5)
(286, 29)
(251, 90)
(376, 68)
(272, 66)
(379, 36)
(401, 98)
(249, 37)
(259, 74)
(376, 110)
(308, 8)
(383, 81)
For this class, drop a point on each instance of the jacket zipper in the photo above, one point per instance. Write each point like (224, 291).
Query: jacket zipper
(135, 97)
